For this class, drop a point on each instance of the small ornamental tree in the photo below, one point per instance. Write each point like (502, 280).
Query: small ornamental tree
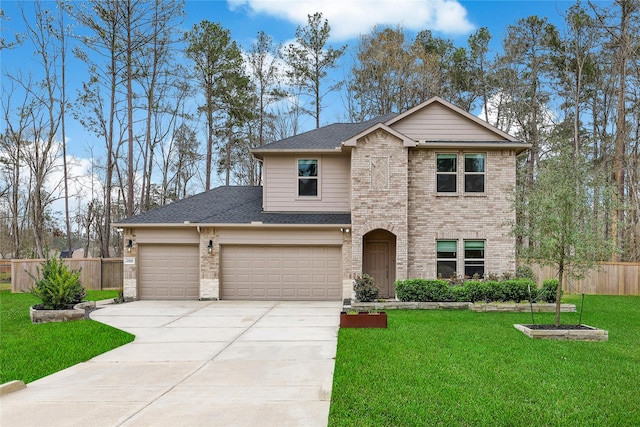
(557, 226)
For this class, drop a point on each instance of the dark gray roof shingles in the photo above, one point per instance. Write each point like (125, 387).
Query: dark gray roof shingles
(327, 137)
(230, 205)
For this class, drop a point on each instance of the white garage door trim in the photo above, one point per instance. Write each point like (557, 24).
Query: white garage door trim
(252, 272)
(168, 272)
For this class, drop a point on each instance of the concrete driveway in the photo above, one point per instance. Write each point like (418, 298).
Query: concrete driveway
(195, 363)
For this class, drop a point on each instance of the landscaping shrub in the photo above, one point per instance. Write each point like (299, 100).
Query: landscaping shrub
(57, 286)
(548, 291)
(517, 289)
(365, 288)
(458, 293)
(476, 290)
(422, 290)
(495, 291)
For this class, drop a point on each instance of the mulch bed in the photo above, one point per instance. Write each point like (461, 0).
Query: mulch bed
(559, 327)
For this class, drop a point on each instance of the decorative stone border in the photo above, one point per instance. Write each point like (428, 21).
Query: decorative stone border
(78, 312)
(589, 334)
(477, 307)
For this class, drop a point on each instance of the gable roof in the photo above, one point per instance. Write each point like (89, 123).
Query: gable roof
(330, 138)
(325, 138)
(437, 100)
(228, 205)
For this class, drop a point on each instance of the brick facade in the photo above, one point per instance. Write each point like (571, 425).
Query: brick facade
(459, 216)
(410, 207)
(209, 265)
(376, 204)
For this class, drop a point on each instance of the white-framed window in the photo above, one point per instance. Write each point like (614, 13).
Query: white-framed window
(446, 172)
(308, 173)
(474, 258)
(446, 258)
(474, 167)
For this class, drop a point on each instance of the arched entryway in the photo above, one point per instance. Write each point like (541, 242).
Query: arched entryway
(379, 260)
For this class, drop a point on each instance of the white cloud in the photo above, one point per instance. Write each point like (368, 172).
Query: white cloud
(350, 18)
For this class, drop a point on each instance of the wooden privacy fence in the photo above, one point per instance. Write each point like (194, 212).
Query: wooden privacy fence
(5, 271)
(97, 273)
(608, 278)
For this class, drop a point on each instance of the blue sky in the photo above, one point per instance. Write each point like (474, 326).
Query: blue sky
(279, 18)
(454, 19)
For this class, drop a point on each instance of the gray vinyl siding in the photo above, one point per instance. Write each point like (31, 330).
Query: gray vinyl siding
(438, 123)
(281, 184)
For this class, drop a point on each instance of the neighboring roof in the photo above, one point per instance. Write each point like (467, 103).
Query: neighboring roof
(325, 138)
(229, 205)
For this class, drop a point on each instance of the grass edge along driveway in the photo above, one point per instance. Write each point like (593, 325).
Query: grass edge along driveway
(464, 368)
(29, 352)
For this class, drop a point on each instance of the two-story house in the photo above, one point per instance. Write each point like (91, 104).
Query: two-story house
(425, 193)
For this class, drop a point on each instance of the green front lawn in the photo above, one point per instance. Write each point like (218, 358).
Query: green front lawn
(29, 352)
(474, 369)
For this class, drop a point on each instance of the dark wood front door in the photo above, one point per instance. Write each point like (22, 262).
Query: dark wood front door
(376, 265)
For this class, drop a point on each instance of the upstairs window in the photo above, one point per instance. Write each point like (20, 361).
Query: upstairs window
(307, 177)
(474, 258)
(474, 173)
(446, 255)
(446, 173)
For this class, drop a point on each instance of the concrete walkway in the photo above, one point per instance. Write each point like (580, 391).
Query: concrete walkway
(195, 363)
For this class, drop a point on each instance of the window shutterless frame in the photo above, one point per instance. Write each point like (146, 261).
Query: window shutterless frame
(446, 258)
(474, 258)
(474, 173)
(308, 177)
(446, 173)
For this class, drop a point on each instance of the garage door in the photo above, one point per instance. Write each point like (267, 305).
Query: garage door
(281, 273)
(169, 271)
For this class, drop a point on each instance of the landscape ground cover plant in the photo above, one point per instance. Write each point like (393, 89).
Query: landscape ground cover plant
(31, 351)
(464, 368)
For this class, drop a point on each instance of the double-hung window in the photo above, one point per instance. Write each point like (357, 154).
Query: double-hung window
(308, 177)
(446, 172)
(474, 258)
(474, 173)
(446, 258)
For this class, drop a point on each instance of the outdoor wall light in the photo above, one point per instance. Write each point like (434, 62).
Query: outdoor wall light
(129, 245)
(345, 230)
(210, 247)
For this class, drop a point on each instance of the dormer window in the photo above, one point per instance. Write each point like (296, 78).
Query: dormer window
(308, 177)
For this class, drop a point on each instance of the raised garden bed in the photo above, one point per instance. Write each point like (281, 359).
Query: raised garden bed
(363, 319)
(78, 312)
(478, 307)
(564, 332)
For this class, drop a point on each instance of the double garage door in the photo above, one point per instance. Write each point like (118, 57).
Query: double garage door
(281, 273)
(247, 272)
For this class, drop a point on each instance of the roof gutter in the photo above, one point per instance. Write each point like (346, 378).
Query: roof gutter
(259, 153)
(255, 224)
(518, 146)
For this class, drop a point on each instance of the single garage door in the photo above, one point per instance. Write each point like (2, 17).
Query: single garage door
(281, 273)
(169, 271)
